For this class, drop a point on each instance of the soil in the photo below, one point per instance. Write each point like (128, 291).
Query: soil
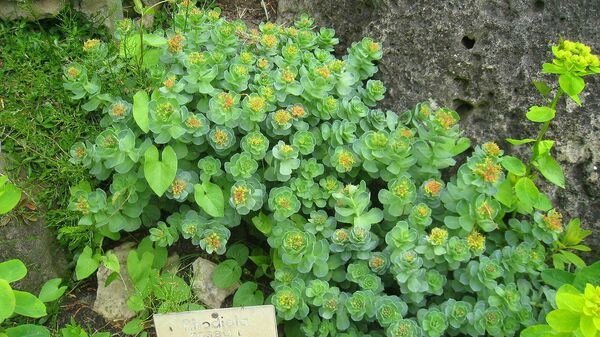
(253, 12)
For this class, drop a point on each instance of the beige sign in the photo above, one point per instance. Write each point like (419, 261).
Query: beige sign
(258, 321)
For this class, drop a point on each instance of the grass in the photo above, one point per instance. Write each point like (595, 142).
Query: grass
(38, 121)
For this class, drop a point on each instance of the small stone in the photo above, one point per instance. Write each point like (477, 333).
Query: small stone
(203, 286)
(111, 300)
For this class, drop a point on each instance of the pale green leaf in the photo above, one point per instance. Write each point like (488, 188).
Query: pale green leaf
(210, 198)
(140, 110)
(160, 174)
(12, 270)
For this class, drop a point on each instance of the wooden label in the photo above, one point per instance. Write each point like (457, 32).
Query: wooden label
(257, 321)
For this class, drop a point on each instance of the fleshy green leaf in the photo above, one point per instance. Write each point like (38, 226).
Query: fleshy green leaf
(542, 88)
(160, 174)
(572, 85)
(210, 197)
(134, 327)
(556, 277)
(238, 252)
(12, 270)
(140, 110)
(7, 298)
(51, 290)
(569, 298)
(87, 264)
(540, 114)
(28, 330)
(526, 191)
(29, 305)
(563, 320)
(551, 170)
(513, 165)
(10, 195)
(247, 295)
(520, 141)
(226, 274)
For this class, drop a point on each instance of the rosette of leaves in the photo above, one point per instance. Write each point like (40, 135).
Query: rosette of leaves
(398, 197)
(247, 195)
(241, 166)
(433, 321)
(289, 301)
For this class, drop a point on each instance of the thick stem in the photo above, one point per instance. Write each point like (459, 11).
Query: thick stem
(543, 131)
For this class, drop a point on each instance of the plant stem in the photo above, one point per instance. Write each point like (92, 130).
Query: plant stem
(542, 132)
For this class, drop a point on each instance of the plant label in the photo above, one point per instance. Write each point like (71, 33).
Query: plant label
(255, 321)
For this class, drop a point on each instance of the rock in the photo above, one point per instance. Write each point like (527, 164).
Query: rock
(31, 241)
(203, 286)
(31, 10)
(111, 301)
(479, 58)
(105, 12)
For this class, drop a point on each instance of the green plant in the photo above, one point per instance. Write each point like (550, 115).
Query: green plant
(16, 302)
(577, 301)
(10, 195)
(368, 234)
(75, 330)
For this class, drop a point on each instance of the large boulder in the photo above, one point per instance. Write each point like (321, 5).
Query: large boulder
(479, 58)
(32, 10)
(28, 238)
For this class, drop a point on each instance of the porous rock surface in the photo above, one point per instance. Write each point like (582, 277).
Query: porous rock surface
(479, 58)
(204, 288)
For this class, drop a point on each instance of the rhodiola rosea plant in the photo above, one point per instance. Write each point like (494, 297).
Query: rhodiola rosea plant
(210, 125)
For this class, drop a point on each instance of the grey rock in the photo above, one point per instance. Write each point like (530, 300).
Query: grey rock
(203, 286)
(111, 300)
(479, 58)
(105, 12)
(30, 9)
(31, 241)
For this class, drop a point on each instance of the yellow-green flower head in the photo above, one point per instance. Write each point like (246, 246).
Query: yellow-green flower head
(591, 304)
(90, 44)
(178, 186)
(196, 57)
(376, 262)
(169, 82)
(83, 206)
(423, 210)
(213, 240)
(445, 118)
(240, 194)
(291, 50)
(432, 188)
(220, 137)
(227, 101)
(239, 69)
(175, 43)
(287, 299)
(575, 53)
(341, 235)
(485, 210)
(323, 72)
(214, 15)
(257, 103)
(438, 236)
(246, 57)
(282, 117)
(336, 66)
(402, 188)
(296, 241)
(298, 111)
(488, 170)
(288, 76)
(165, 110)
(476, 241)
(269, 40)
(262, 63)
(373, 46)
(553, 221)
(73, 72)
(118, 110)
(491, 149)
(124, 24)
(346, 160)
(193, 122)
